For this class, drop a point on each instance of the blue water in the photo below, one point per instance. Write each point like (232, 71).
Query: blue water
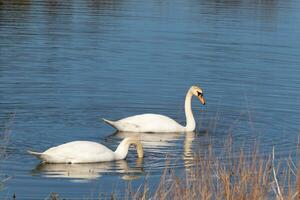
(64, 65)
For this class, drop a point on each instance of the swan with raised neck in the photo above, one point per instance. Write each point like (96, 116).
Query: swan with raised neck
(161, 123)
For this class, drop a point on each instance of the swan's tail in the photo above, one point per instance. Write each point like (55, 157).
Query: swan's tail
(113, 124)
(36, 154)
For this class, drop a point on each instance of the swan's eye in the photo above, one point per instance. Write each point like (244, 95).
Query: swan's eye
(199, 93)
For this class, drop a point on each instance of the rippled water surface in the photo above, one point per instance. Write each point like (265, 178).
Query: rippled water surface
(66, 64)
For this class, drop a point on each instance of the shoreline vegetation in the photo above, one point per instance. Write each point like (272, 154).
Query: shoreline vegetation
(243, 176)
(236, 175)
(4, 141)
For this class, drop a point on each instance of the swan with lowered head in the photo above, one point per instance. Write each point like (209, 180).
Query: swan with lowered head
(87, 152)
(161, 123)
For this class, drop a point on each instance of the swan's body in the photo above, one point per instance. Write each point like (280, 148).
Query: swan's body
(87, 152)
(160, 123)
(147, 123)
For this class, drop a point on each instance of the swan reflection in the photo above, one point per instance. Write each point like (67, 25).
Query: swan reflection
(152, 140)
(188, 153)
(89, 171)
(160, 142)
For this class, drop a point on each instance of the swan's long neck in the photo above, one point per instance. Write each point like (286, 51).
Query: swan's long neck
(122, 150)
(190, 121)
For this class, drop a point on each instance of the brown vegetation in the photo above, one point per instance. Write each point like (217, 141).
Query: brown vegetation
(4, 140)
(234, 176)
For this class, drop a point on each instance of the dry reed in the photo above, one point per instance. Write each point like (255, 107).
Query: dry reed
(235, 176)
(4, 141)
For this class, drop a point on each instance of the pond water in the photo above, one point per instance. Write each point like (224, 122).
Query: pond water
(65, 65)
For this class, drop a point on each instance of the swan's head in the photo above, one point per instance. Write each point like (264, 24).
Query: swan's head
(197, 91)
(122, 150)
(138, 145)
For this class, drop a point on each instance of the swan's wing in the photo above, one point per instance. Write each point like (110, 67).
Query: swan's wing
(122, 124)
(148, 123)
(79, 151)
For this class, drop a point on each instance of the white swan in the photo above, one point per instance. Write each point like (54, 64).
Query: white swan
(87, 152)
(160, 123)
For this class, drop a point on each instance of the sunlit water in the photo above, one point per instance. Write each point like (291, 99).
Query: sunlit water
(64, 65)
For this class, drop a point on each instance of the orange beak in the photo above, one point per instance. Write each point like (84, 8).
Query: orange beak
(201, 99)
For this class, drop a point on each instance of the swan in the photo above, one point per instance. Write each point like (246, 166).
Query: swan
(161, 123)
(87, 152)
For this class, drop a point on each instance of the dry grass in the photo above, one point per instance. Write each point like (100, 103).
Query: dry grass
(4, 140)
(234, 176)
